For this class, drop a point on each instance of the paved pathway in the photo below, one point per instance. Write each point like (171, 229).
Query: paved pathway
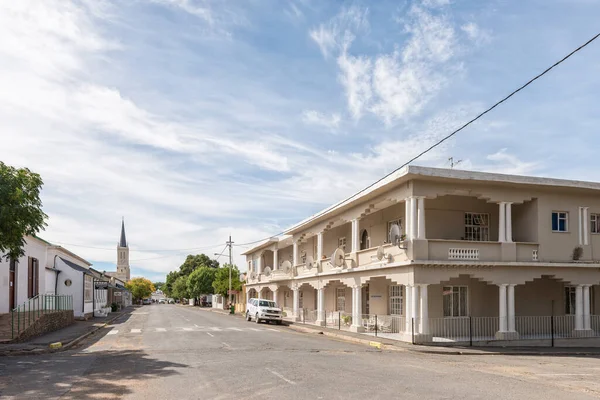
(175, 352)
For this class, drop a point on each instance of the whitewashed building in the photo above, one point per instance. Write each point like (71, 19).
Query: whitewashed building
(437, 254)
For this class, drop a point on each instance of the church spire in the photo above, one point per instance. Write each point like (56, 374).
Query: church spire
(123, 241)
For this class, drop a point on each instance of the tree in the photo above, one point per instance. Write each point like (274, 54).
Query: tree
(159, 285)
(20, 209)
(140, 288)
(171, 278)
(221, 283)
(179, 290)
(192, 263)
(200, 282)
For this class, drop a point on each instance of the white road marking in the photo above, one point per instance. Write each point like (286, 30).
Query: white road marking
(216, 329)
(255, 329)
(273, 330)
(113, 332)
(161, 330)
(277, 374)
(198, 326)
(210, 334)
(235, 329)
(226, 345)
(187, 329)
(136, 331)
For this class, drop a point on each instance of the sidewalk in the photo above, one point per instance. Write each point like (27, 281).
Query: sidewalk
(396, 345)
(68, 336)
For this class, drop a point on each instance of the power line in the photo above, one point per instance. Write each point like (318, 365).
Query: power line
(138, 250)
(445, 137)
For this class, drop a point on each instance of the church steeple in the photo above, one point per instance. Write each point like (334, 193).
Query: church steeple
(123, 241)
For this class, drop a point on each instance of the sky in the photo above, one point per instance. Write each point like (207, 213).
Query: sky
(197, 119)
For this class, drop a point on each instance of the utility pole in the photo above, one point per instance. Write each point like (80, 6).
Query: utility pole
(230, 244)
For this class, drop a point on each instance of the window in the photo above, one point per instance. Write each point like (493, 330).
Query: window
(342, 243)
(396, 300)
(560, 221)
(341, 299)
(88, 289)
(267, 303)
(477, 227)
(595, 223)
(392, 222)
(455, 301)
(33, 277)
(570, 300)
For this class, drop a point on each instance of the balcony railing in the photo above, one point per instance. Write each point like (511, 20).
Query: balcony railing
(464, 250)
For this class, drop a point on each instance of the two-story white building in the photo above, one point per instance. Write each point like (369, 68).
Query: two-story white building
(495, 254)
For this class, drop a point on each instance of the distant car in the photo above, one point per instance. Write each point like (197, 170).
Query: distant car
(263, 310)
(162, 301)
(146, 301)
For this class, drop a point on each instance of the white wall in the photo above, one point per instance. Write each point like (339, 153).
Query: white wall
(76, 288)
(33, 248)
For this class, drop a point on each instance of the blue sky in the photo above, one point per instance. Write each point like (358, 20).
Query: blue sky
(199, 119)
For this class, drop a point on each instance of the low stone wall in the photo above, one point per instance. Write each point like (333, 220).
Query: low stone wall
(47, 323)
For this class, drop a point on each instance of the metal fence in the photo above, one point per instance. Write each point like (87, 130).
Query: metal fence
(459, 330)
(27, 313)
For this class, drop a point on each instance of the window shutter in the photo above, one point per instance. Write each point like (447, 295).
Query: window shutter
(30, 277)
(36, 270)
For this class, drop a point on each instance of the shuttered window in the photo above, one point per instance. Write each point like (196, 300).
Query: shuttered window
(33, 277)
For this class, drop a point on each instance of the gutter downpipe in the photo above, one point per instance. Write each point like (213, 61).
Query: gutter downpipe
(56, 280)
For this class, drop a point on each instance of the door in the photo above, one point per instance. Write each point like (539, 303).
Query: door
(12, 283)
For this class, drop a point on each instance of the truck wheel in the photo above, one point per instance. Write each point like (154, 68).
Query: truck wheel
(247, 316)
(257, 319)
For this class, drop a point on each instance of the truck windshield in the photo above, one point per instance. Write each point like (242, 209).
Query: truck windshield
(265, 303)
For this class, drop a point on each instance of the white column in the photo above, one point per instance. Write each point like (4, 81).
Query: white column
(503, 314)
(407, 210)
(295, 253)
(586, 232)
(408, 295)
(511, 308)
(502, 223)
(424, 308)
(355, 236)
(275, 259)
(415, 306)
(319, 246)
(358, 305)
(275, 299)
(320, 305)
(421, 217)
(509, 238)
(580, 226)
(413, 218)
(586, 308)
(259, 266)
(579, 308)
(295, 299)
(259, 294)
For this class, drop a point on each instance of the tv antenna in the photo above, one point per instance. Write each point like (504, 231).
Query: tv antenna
(453, 163)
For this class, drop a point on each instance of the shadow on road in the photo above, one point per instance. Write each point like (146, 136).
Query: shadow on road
(104, 374)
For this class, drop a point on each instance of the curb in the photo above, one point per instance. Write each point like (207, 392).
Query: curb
(408, 348)
(63, 347)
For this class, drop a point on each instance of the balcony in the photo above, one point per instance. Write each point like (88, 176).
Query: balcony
(391, 252)
(462, 250)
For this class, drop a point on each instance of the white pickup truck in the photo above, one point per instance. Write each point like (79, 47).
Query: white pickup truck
(263, 310)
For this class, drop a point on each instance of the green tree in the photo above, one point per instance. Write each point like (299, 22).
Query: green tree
(200, 281)
(179, 290)
(159, 285)
(193, 262)
(171, 278)
(221, 283)
(20, 209)
(140, 288)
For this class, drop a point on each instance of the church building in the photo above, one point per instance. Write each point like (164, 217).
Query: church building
(123, 271)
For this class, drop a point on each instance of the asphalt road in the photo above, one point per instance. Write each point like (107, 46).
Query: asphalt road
(178, 352)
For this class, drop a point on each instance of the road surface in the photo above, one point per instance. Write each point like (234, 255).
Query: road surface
(180, 352)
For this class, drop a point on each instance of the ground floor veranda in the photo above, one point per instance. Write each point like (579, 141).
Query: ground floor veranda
(447, 303)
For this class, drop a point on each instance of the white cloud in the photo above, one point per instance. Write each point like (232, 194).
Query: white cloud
(197, 8)
(312, 117)
(340, 30)
(397, 85)
(506, 163)
(475, 33)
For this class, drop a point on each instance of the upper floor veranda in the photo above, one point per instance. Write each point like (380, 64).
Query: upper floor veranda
(445, 217)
